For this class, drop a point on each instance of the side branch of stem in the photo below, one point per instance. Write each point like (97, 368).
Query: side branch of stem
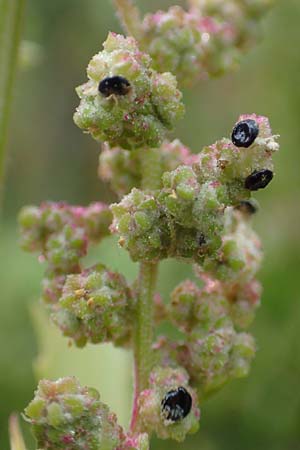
(11, 13)
(130, 17)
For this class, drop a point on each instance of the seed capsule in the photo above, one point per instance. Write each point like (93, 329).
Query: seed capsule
(247, 207)
(176, 404)
(116, 85)
(258, 179)
(244, 133)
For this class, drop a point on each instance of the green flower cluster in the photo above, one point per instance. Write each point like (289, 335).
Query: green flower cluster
(192, 217)
(204, 41)
(191, 306)
(169, 407)
(95, 306)
(216, 358)
(230, 164)
(195, 212)
(126, 102)
(240, 254)
(212, 352)
(174, 40)
(65, 415)
(122, 168)
(60, 233)
(242, 17)
(143, 228)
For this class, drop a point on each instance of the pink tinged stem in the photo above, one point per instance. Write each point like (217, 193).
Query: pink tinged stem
(135, 412)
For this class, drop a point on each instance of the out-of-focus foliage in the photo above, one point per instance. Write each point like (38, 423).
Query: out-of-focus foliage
(50, 159)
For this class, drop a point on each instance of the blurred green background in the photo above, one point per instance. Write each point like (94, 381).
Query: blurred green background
(49, 158)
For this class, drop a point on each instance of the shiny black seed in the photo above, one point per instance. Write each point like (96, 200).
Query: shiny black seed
(176, 404)
(258, 179)
(116, 85)
(244, 133)
(246, 207)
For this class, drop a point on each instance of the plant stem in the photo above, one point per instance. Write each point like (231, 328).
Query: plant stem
(143, 337)
(11, 13)
(129, 17)
(143, 332)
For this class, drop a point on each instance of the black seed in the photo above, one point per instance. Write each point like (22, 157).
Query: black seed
(258, 179)
(201, 239)
(114, 85)
(244, 133)
(246, 207)
(176, 404)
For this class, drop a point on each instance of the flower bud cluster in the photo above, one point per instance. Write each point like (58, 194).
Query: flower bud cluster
(242, 296)
(215, 358)
(242, 17)
(174, 39)
(212, 351)
(205, 41)
(192, 216)
(95, 306)
(169, 407)
(122, 168)
(91, 305)
(195, 213)
(60, 233)
(65, 415)
(126, 102)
